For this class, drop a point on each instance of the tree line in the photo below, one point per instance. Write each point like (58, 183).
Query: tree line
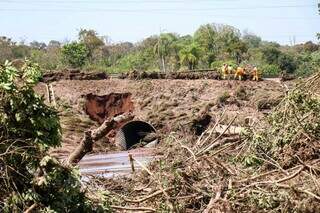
(210, 46)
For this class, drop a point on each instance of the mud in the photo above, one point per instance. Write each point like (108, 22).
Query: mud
(100, 108)
(205, 74)
(72, 74)
(168, 105)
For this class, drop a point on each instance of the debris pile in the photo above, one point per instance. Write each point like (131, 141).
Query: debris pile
(190, 75)
(265, 168)
(72, 74)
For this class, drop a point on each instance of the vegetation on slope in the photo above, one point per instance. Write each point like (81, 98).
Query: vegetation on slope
(29, 178)
(209, 47)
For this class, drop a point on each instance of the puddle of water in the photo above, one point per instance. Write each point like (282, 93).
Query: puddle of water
(110, 165)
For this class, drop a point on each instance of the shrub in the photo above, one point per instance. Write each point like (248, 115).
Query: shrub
(287, 63)
(75, 54)
(270, 70)
(28, 128)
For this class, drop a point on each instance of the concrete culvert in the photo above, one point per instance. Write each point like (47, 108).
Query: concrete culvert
(135, 132)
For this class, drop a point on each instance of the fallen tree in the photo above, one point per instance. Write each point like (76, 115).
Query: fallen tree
(90, 136)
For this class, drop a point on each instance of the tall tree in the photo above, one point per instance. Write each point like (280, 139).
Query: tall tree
(164, 47)
(206, 37)
(190, 55)
(91, 40)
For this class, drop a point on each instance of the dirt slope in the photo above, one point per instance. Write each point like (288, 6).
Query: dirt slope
(187, 106)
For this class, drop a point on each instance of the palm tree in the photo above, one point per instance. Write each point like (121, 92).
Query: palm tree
(190, 55)
(164, 47)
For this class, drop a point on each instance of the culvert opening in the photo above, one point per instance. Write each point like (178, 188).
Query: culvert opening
(200, 125)
(134, 133)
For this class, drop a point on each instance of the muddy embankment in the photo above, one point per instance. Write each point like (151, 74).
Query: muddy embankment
(185, 106)
(72, 74)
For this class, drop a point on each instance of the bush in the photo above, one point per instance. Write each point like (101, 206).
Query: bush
(75, 54)
(270, 70)
(287, 63)
(219, 64)
(28, 128)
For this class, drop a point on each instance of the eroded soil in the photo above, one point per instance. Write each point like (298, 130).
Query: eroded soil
(186, 106)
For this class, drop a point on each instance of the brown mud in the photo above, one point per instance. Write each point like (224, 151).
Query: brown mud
(72, 74)
(186, 106)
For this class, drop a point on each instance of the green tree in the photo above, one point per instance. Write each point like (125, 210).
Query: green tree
(91, 40)
(251, 40)
(229, 44)
(206, 37)
(164, 47)
(6, 49)
(287, 63)
(75, 54)
(270, 54)
(190, 55)
(28, 128)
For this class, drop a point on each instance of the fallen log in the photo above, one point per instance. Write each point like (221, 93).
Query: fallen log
(91, 136)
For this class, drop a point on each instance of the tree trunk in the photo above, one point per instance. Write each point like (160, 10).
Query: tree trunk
(163, 64)
(86, 144)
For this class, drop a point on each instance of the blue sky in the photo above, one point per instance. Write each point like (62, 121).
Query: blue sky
(132, 20)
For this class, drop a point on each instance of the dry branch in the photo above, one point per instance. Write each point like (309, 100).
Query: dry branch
(134, 208)
(86, 144)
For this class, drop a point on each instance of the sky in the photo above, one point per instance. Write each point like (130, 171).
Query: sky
(284, 21)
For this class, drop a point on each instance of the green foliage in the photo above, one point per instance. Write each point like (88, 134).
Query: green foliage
(287, 63)
(92, 42)
(251, 40)
(205, 36)
(270, 70)
(218, 64)
(270, 54)
(28, 128)
(293, 125)
(190, 55)
(165, 47)
(21, 107)
(59, 190)
(75, 54)
(211, 45)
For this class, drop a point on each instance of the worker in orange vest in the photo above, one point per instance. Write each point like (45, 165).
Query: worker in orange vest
(224, 70)
(230, 69)
(255, 74)
(240, 72)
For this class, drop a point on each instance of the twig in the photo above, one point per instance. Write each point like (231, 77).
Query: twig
(213, 201)
(289, 177)
(199, 142)
(152, 175)
(299, 190)
(150, 196)
(134, 208)
(216, 139)
(31, 208)
(185, 147)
